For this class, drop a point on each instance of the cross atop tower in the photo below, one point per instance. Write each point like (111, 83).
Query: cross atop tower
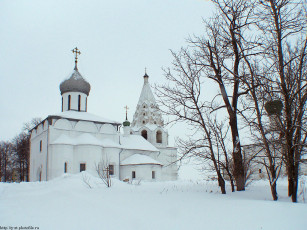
(126, 107)
(76, 52)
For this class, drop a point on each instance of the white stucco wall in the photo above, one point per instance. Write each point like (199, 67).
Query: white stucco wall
(74, 101)
(142, 172)
(67, 141)
(38, 158)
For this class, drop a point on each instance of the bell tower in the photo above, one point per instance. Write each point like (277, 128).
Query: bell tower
(147, 119)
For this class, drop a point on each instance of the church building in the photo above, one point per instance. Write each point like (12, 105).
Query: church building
(74, 140)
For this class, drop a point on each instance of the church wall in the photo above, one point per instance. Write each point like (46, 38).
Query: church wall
(93, 155)
(58, 155)
(38, 153)
(142, 172)
(152, 136)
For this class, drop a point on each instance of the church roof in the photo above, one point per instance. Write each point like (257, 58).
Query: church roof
(83, 139)
(131, 142)
(137, 142)
(83, 116)
(75, 83)
(147, 111)
(146, 94)
(140, 159)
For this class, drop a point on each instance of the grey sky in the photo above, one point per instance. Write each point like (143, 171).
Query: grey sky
(118, 39)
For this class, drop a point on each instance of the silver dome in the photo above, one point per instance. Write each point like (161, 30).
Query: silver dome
(76, 83)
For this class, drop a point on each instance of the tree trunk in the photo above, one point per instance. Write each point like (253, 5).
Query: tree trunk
(221, 183)
(295, 184)
(237, 157)
(274, 191)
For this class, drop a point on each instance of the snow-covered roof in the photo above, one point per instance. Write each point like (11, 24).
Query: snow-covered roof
(83, 139)
(146, 94)
(137, 142)
(131, 142)
(151, 127)
(83, 116)
(75, 83)
(140, 159)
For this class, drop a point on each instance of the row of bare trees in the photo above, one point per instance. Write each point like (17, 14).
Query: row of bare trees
(253, 53)
(14, 155)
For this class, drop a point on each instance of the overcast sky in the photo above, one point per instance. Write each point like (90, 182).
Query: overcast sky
(117, 39)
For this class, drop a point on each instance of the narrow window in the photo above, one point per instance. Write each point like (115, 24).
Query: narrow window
(133, 174)
(62, 104)
(159, 136)
(40, 146)
(153, 175)
(40, 175)
(86, 105)
(144, 134)
(144, 114)
(143, 122)
(111, 170)
(79, 102)
(69, 101)
(65, 167)
(82, 167)
(259, 170)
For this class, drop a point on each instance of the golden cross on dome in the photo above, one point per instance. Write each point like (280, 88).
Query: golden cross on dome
(76, 52)
(126, 107)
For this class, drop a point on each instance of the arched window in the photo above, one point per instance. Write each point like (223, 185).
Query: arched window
(159, 136)
(86, 105)
(65, 167)
(69, 102)
(144, 134)
(79, 102)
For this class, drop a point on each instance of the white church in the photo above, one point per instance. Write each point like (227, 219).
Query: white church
(75, 140)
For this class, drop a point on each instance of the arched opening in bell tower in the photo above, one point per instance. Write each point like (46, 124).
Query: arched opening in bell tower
(159, 136)
(144, 134)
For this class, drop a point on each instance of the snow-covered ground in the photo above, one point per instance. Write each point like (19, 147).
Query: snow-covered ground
(68, 203)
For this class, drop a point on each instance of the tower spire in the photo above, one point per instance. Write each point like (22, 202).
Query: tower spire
(126, 107)
(146, 76)
(76, 52)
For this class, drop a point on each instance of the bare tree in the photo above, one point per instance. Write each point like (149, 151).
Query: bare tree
(219, 53)
(103, 171)
(283, 26)
(6, 164)
(183, 98)
(86, 179)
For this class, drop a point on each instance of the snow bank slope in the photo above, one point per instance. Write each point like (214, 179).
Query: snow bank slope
(68, 203)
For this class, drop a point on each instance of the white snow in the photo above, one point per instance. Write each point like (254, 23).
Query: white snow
(83, 139)
(83, 116)
(137, 142)
(146, 95)
(139, 159)
(68, 203)
(151, 127)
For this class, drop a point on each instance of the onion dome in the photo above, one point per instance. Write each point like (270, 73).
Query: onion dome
(75, 83)
(126, 123)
